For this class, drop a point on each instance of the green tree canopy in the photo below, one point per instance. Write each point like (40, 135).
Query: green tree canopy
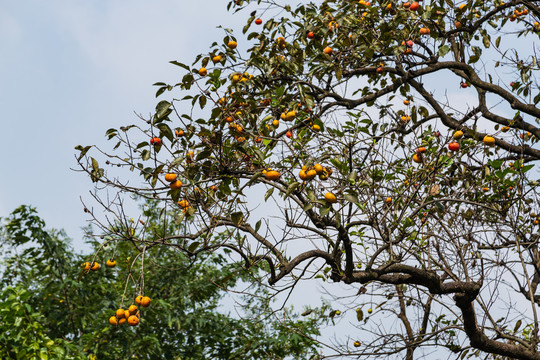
(47, 313)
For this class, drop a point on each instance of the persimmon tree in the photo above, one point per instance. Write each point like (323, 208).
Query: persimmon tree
(386, 146)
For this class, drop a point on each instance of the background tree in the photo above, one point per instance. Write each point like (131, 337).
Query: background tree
(373, 175)
(47, 313)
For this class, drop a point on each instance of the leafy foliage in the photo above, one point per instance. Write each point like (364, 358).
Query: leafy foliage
(47, 313)
(393, 148)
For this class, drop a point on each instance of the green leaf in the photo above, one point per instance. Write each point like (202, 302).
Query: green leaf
(351, 198)
(83, 150)
(180, 64)
(192, 247)
(443, 50)
(163, 109)
(237, 217)
(291, 188)
(268, 193)
(359, 314)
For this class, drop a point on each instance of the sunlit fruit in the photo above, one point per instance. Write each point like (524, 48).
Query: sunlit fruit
(258, 21)
(138, 299)
(113, 321)
(133, 320)
(406, 102)
(318, 169)
(176, 185)
(328, 50)
(183, 203)
(370, 310)
(453, 146)
(133, 309)
(417, 158)
(289, 134)
(272, 175)
(316, 127)
(424, 31)
(95, 266)
(145, 301)
(406, 5)
(458, 134)
(122, 321)
(86, 266)
(275, 123)
(302, 175)
(216, 59)
(232, 44)
(388, 200)
(311, 174)
(414, 6)
(111, 263)
(203, 72)
(356, 343)
(170, 177)
(310, 35)
(179, 132)
(155, 141)
(290, 115)
(505, 128)
(331, 198)
(463, 85)
(420, 150)
(120, 313)
(489, 140)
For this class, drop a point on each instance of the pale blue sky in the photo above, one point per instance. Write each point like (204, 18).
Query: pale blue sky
(69, 70)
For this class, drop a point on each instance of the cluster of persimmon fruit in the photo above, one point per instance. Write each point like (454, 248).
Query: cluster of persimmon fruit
(131, 315)
(94, 265)
(453, 146)
(309, 173)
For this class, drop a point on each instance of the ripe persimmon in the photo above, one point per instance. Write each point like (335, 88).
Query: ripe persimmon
(133, 309)
(453, 146)
(138, 299)
(272, 175)
(489, 140)
(170, 177)
(328, 50)
(113, 321)
(145, 302)
(203, 71)
(232, 44)
(176, 185)
(95, 266)
(331, 198)
(133, 320)
(458, 134)
(120, 313)
(111, 263)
